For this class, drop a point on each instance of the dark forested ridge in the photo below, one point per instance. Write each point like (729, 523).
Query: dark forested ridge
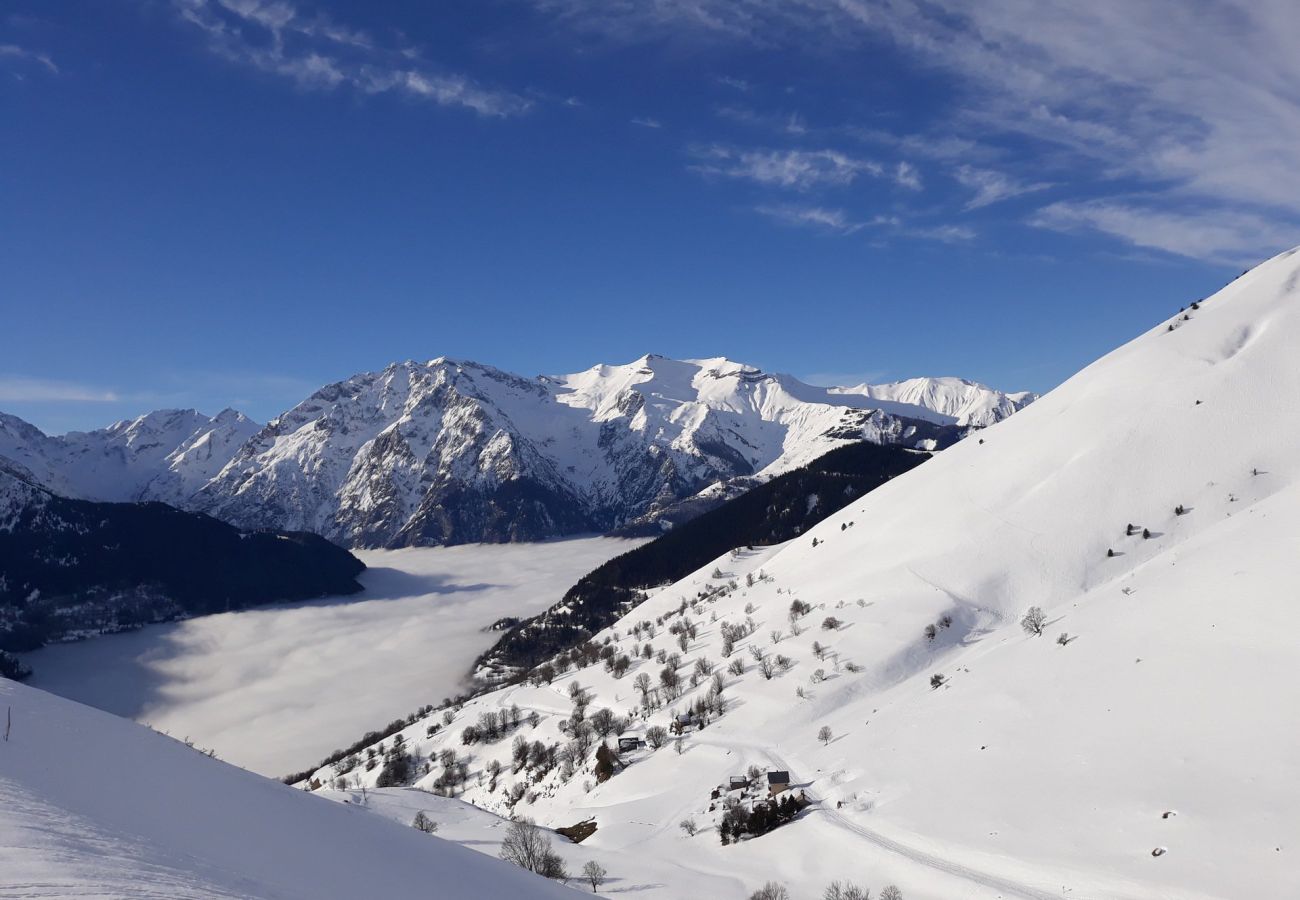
(771, 513)
(73, 567)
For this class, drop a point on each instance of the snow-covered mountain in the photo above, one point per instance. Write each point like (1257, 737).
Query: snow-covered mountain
(165, 455)
(964, 402)
(452, 451)
(95, 806)
(1142, 519)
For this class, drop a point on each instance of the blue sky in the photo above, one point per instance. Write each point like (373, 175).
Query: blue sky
(230, 202)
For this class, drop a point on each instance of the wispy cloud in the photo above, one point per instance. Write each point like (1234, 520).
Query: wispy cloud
(316, 52)
(819, 217)
(738, 84)
(645, 122)
(19, 54)
(907, 176)
(792, 169)
(1219, 235)
(1200, 104)
(26, 389)
(992, 187)
(947, 234)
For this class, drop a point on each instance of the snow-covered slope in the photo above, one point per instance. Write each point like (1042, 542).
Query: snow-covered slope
(452, 451)
(165, 455)
(95, 806)
(1149, 752)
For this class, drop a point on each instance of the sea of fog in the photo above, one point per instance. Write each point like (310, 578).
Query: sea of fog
(275, 689)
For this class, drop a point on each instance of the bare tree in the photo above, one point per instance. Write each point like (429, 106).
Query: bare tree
(891, 892)
(689, 826)
(767, 668)
(1034, 621)
(423, 823)
(604, 721)
(526, 845)
(846, 891)
(595, 874)
(656, 736)
(771, 891)
(824, 734)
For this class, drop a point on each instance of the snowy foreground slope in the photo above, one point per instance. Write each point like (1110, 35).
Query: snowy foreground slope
(95, 806)
(1152, 752)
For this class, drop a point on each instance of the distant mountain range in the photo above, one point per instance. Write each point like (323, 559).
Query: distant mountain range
(451, 451)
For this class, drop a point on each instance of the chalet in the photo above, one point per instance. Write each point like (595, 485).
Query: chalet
(627, 744)
(737, 783)
(682, 723)
(777, 782)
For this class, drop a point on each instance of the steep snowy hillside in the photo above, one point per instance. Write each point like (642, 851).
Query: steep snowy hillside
(1143, 745)
(95, 806)
(452, 451)
(165, 455)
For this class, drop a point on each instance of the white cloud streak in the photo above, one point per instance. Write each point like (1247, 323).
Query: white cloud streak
(818, 217)
(25, 389)
(1225, 236)
(791, 169)
(20, 54)
(992, 187)
(315, 52)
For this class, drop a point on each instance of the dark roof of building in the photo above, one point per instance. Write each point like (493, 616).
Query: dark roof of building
(778, 777)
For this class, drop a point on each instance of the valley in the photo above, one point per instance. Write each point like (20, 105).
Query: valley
(275, 688)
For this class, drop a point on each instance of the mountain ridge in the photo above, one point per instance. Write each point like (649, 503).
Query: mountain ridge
(455, 451)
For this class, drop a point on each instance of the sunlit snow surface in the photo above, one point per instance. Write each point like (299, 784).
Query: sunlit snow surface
(1145, 747)
(275, 689)
(95, 806)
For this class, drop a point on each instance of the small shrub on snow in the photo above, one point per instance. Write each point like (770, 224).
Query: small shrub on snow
(937, 680)
(688, 826)
(830, 623)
